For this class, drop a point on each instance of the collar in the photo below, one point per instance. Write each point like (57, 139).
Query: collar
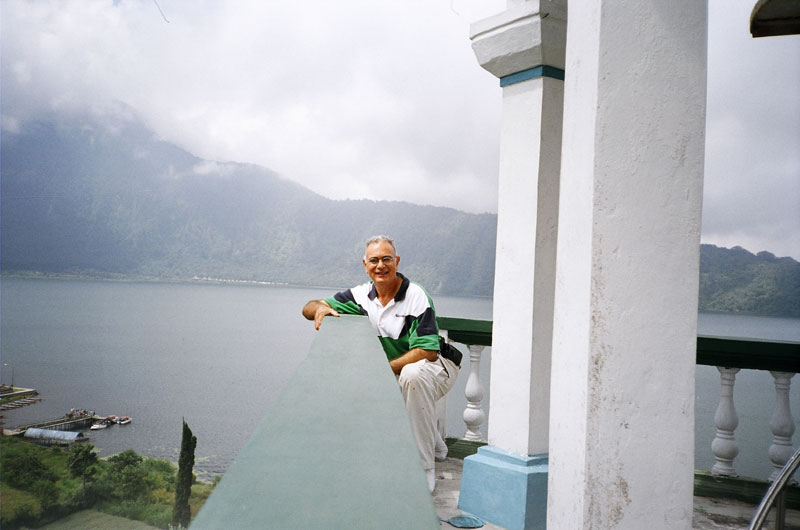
(401, 294)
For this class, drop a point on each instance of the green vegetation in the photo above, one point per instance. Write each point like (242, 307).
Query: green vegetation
(181, 513)
(93, 519)
(120, 206)
(81, 463)
(43, 484)
(75, 202)
(737, 281)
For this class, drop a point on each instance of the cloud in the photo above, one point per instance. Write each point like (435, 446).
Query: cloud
(379, 100)
(353, 99)
(752, 170)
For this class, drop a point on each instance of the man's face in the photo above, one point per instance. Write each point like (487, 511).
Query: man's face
(381, 263)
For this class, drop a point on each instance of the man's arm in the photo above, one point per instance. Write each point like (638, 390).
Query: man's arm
(316, 310)
(412, 356)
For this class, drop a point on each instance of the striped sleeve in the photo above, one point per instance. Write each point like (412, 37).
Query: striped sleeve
(345, 303)
(423, 332)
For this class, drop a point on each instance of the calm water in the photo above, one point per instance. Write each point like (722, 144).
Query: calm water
(218, 355)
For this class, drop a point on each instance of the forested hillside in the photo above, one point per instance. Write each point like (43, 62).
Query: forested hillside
(111, 200)
(98, 199)
(737, 281)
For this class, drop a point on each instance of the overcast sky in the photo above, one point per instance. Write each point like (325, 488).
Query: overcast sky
(379, 100)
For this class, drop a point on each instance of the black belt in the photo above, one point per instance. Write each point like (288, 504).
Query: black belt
(449, 352)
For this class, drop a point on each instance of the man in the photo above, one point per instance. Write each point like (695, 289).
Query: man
(402, 313)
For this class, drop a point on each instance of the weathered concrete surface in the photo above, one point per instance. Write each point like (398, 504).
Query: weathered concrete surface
(709, 514)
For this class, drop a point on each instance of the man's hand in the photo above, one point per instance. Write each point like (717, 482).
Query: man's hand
(316, 310)
(412, 356)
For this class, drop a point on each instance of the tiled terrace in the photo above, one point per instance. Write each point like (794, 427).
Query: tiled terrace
(709, 514)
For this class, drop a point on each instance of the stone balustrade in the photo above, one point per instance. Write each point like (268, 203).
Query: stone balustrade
(781, 360)
(729, 355)
(782, 425)
(476, 335)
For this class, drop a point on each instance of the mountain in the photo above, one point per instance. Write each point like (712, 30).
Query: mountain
(110, 199)
(737, 281)
(107, 198)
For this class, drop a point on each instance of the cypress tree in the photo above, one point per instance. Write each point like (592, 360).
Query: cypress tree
(183, 487)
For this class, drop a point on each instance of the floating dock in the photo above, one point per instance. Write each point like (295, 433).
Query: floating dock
(64, 423)
(20, 397)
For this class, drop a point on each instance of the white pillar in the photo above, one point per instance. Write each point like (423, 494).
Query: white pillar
(622, 414)
(524, 37)
(524, 47)
(530, 149)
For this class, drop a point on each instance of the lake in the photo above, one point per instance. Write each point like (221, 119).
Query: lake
(218, 355)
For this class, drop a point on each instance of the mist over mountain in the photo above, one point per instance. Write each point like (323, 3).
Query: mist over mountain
(104, 197)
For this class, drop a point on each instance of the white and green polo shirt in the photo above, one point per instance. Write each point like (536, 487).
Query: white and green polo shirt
(406, 322)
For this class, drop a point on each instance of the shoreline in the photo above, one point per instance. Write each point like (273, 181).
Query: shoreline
(195, 280)
(207, 280)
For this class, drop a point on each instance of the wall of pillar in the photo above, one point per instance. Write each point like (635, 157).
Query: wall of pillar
(622, 414)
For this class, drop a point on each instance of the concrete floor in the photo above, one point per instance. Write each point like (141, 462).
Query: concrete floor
(709, 514)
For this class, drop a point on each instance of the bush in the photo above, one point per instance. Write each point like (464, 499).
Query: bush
(76, 499)
(124, 460)
(158, 515)
(25, 515)
(157, 465)
(23, 468)
(163, 496)
(49, 483)
(47, 493)
(162, 473)
(132, 484)
(19, 508)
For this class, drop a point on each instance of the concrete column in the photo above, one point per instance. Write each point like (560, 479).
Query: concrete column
(524, 46)
(622, 414)
(530, 151)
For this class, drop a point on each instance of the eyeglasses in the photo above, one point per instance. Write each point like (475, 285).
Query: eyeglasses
(385, 259)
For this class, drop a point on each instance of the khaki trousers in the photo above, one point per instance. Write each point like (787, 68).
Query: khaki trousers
(423, 383)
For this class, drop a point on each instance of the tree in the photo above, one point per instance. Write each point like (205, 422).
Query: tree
(125, 459)
(47, 493)
(129, 478)
(181, 514)
(131, 483)
(81, 461)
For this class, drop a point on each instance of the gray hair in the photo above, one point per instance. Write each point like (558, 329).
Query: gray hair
(379, 239)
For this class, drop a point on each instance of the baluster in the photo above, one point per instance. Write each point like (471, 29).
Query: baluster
(726, 420)
(474, 416)
(782, 424)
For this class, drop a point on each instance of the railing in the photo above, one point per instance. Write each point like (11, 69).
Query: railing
(782, 360)
(729, 355)
(476, 335)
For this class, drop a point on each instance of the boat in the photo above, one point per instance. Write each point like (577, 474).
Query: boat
(124, 420)
(99, 425)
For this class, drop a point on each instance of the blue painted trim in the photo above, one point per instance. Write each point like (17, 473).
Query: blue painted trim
(507, 489)
(542, 70)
